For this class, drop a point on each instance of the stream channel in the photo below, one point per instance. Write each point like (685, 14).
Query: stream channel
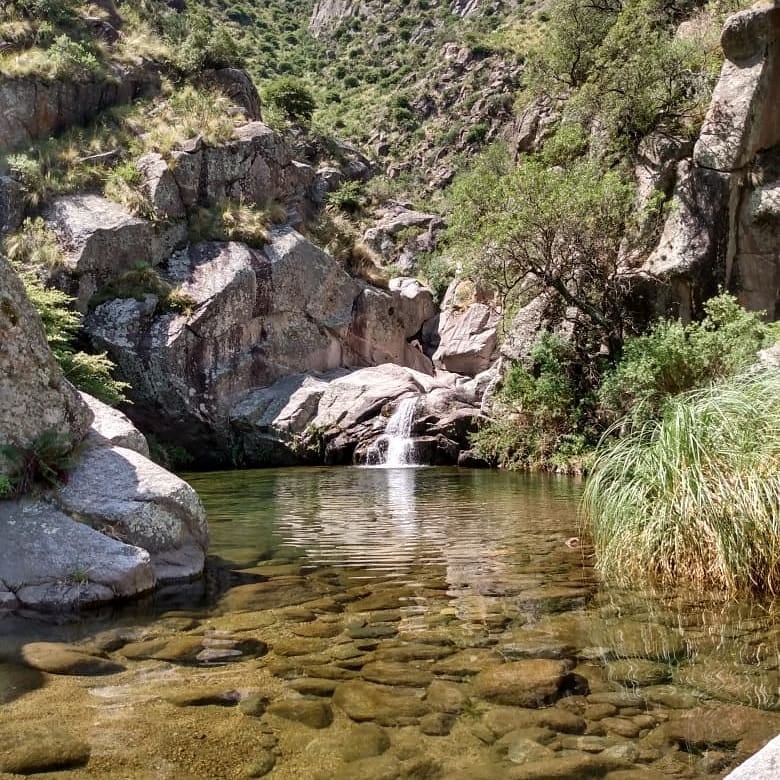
(382, 623)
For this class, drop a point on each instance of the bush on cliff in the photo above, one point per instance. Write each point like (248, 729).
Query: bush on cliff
(695, 496)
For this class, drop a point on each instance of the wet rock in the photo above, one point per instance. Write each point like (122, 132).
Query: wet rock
(395, 673)
(501, 720)
(444, 697)
(586, 744)
(254, 705)
(33, 749)
(727, 682)
(361, 630)
(595, 712)
(638, 671)
(296, 647)
(313, 686)
(724, 726)
(269, 595)
(364, 701)
(411, 652)
(312, 713)
(437, 724)
(365, 740)
(181, 649)
(58, 658)
(383, 767)
(623, 727)
(579, 767)
(617, 698)
(466, 663)
(262, 763)
(532, 683)
(317, 630)
(520, 750)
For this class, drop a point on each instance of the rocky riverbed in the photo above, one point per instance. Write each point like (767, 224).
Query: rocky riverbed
(368, 648)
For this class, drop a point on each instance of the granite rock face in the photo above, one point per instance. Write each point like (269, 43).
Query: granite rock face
(725, 226)
(35, 398)
(257, 317)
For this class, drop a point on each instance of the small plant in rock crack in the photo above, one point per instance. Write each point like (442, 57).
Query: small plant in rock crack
(46, 461)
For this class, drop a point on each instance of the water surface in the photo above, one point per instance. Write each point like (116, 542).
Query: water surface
(339, 597)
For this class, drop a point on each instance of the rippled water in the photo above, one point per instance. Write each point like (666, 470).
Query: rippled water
(328, 585)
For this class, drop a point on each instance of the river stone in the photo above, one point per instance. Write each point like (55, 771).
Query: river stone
(316, 629)
(623, 727)
(313, 686)
(262, 763)
(728, 682)
(310, 712)
(444, 697)
(671, 697)
(366, 701)
(437, 724)
(298, 647)
(365, 740)
(575, 767)
(360, 630)
(254, 705)
(202, 696)
(414, 653)
(501, 720)
(60, 658)
(532, 683)
(586, 744)
(383, 767)
(638, 671)
(36, 749)
(395, 673)
(467, 662)
(266, 595)
(520, 750)
(181, 649)
(722, 726)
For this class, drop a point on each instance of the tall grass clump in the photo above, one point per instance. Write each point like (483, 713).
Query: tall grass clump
(693, 498)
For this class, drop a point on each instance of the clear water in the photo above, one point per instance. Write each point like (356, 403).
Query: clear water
(392, 578)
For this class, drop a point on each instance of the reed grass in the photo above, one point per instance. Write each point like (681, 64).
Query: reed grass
(693, 498)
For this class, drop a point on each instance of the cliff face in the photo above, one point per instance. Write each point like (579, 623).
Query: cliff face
(724, 229)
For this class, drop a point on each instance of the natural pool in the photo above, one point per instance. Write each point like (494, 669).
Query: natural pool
(394, 623)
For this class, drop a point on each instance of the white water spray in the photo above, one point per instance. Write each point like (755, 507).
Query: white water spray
(395, 447)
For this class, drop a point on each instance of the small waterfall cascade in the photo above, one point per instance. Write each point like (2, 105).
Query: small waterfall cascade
(395, 447)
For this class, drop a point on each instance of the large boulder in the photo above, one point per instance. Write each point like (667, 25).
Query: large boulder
(467, 339)
(111, 427)
(49, 561)
(237, 85)
(120, 492)
(35, 398)
(256, 317)
(102, 240)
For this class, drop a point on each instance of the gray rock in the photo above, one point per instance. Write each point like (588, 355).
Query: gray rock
(51, 561)
(34, 396)
(746, 34)
(11, 205)
(110, 425)
(160, 186)
(120, 490)
(238, 86)
(414, 303)
(102, 240)
(467, 339)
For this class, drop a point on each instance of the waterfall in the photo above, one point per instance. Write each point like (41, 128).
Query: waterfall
(394, 447)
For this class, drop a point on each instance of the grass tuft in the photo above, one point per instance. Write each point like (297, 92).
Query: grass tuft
(694, 497)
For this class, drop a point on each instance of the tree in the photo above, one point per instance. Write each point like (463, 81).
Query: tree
(532, 228)
(291, 96)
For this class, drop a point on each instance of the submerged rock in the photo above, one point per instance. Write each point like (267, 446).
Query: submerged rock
(34, 749)
(532, 683)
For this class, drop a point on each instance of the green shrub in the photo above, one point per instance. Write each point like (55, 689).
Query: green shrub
(91, 373)
(347, 197)
(233, 221)
(477, 133)
(124, 185)
(437, 272)
(536, 418)
(72, 59)
(694, 498)
(673, 358)
(29, 173)
(292, 97)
